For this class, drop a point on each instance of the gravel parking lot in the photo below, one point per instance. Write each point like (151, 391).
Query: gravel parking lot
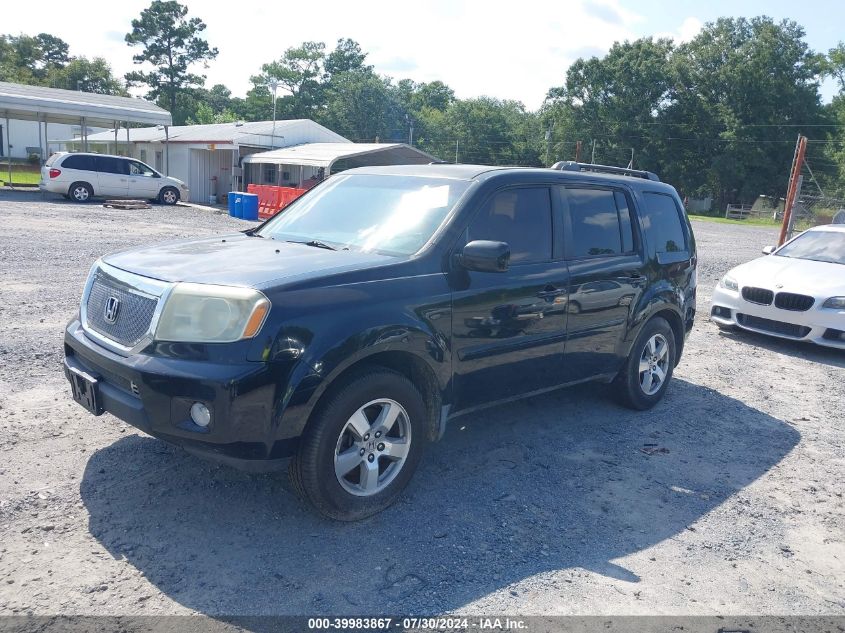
(726, 498)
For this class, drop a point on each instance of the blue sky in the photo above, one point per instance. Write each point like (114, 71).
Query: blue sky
(502, 49)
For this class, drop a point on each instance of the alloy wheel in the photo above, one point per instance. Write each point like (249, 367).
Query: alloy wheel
(372, 447)
(654, 364)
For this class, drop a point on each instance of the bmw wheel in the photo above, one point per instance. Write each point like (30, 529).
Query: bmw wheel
(362, 447)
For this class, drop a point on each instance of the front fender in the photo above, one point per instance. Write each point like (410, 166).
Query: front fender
(324, 331)
(315, 373)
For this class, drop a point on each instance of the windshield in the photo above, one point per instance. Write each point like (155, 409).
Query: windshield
(390, 214)
(819, 246)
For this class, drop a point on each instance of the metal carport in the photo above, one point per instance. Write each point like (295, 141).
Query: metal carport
(327, 155)
(54, 105)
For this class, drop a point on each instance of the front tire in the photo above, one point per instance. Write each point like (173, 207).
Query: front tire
(362, 446)
(643, 379)
(80, 192)
(168, 196)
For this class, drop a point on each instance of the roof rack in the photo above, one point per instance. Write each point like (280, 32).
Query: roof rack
(568, 165)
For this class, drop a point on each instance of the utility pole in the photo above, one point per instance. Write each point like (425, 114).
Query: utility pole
(631, 164)
(410, 122)
(794, 187)
(456, 151)
(274, 85)
(593, 155)
(549, 145)
(577, 151)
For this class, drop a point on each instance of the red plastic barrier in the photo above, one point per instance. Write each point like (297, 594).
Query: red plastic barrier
(273, 199)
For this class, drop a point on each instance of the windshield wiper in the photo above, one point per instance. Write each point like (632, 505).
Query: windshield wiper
(315, 243)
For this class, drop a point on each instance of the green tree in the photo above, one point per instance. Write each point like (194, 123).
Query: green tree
(80, 73)
(298, 73)
(29, 59)
(743, 89)
(204, 114)
(361, 106)
(615, 101)
(171, 44)
(346, 57)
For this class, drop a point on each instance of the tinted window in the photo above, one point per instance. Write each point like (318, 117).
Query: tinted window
(594, 223)
(112, 165)
(79, 161)
(520, 217)
(662, 222)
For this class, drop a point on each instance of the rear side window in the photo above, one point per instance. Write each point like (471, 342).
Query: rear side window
(110, 165)
(520, 217)
(599, 223)
(79, 161)
(661, 220)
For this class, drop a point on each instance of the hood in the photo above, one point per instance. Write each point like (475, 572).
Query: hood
(175, 181)
(789, 274)
(240, 260)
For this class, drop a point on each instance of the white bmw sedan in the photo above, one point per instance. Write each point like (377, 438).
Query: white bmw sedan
(796, 291)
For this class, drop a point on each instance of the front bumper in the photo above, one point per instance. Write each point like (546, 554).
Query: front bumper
(155, 394)
(817, 325)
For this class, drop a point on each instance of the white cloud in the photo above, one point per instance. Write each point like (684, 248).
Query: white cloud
(687, 30)
(493, 48)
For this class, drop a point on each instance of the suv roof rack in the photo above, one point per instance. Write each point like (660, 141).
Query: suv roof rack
(569, 165)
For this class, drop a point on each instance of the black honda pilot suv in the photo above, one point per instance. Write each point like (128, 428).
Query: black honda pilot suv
(347, 330)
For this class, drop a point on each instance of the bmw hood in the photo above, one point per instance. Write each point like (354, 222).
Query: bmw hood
(240, 260)
(804, 276)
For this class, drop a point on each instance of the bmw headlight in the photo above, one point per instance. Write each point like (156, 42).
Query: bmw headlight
(203, 313)
(729, 283)
(837, 303)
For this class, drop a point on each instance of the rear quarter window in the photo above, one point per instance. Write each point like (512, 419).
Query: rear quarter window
(81, 161)
(661, 220)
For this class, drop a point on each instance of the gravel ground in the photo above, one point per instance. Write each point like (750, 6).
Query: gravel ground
(726, 498)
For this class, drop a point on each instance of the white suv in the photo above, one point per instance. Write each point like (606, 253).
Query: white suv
(81, 176)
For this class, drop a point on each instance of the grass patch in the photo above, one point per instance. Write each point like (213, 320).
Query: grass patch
(21, 177)
(22, 173)
(745, 222)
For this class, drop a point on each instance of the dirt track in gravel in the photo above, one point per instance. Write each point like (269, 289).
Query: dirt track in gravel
(727, 498)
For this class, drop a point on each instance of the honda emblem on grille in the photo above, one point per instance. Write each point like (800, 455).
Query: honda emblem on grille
(111, 310)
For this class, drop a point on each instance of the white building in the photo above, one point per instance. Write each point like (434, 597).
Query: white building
(209, 157)
(28, 139)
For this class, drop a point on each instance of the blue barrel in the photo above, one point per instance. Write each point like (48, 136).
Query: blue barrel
(250, 206)
(236, 204)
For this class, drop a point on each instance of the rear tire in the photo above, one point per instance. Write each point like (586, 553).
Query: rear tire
(643, 379)
(362, 446)
(168, 196)
(80, 192)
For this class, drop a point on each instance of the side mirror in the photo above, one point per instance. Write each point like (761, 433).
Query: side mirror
(485, 256)
(768, 250)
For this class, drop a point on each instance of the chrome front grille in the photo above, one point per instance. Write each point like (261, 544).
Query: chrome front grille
(132, 317)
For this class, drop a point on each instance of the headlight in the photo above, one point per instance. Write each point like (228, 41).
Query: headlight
(184, 186)
(201, 313)
(729, 283)
(837, 303)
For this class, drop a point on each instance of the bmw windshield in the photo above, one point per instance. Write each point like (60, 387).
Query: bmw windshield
(819, 246)
(389, 214)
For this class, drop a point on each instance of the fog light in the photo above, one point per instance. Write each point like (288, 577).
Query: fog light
(200, 414)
